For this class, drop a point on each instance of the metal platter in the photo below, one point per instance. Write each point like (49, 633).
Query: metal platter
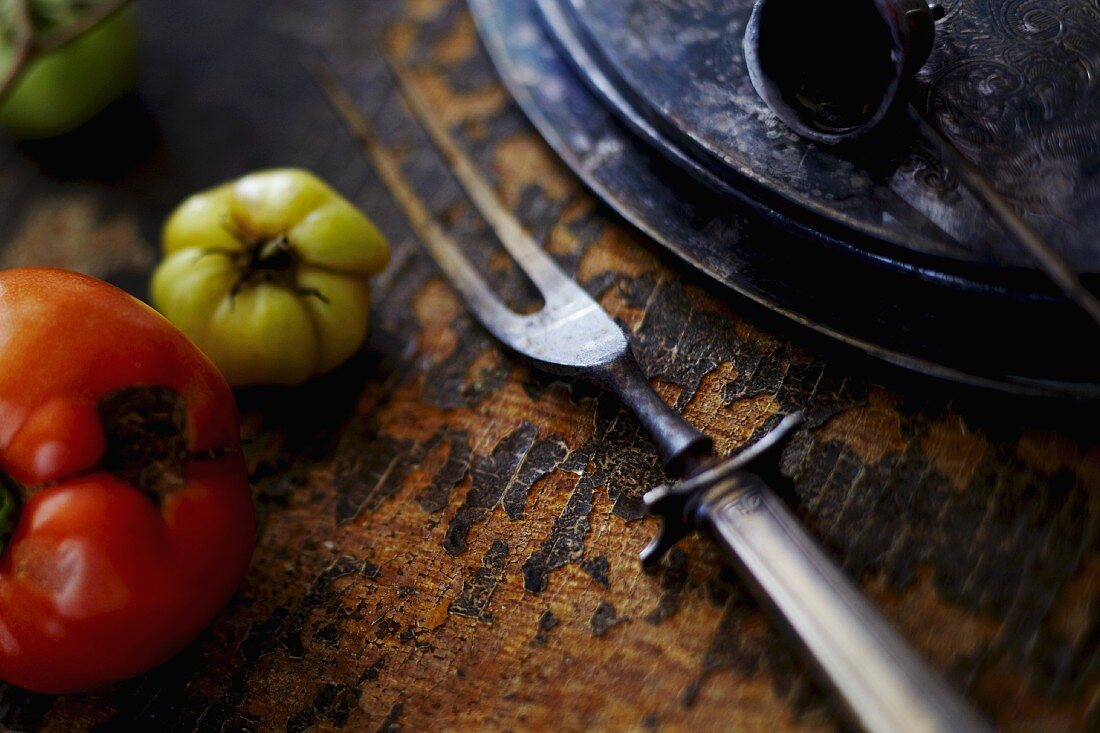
(931, 320)
(1010, 81)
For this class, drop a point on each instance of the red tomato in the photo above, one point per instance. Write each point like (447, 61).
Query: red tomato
(136, 521)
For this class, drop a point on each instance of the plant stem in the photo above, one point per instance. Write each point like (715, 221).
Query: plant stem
(22, 45)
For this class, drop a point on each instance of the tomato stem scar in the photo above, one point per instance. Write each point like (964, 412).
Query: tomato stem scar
(265, 260)
(10, 495)
(146, 434)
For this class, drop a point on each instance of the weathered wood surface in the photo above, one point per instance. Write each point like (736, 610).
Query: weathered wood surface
(447, 539)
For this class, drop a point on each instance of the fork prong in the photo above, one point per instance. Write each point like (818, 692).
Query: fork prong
(497, 317)
(554, 285)
(571, 335)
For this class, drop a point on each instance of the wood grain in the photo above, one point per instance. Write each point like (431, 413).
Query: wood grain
(449, 540)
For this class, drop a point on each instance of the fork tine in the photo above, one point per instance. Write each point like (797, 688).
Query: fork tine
(572, 335)
(531, 258)
(497, 317)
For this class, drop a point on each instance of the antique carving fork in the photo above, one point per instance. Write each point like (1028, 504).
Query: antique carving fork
(882, 682)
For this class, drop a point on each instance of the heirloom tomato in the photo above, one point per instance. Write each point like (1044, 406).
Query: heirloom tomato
(66, 87)
(269, 275)
(126, 513)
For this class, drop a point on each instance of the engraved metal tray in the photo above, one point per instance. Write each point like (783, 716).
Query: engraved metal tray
(1004, 335)
(1011, 82)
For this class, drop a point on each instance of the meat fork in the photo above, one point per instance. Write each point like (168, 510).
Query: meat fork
(882, 682)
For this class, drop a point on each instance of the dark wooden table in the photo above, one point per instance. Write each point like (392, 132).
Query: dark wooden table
(448, 540)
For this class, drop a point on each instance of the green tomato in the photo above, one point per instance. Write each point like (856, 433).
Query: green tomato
(269, 276)
(65, 88)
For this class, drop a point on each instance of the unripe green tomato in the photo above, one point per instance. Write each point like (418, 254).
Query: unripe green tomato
(63, 89)
(269, 276)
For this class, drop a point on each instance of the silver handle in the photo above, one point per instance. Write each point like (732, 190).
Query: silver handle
(883, 683)
(680, 444)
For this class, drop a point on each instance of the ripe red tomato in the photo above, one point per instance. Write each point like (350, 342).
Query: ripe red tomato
(132, 517)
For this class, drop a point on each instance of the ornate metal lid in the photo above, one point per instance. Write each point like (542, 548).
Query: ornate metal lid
(1011, 82)
(952, 327)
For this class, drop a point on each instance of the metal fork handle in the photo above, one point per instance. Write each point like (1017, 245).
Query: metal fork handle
(839, 630)
(682, 447)
(884, 684)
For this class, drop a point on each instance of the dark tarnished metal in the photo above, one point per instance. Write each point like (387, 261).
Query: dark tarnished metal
(947, 326)
(1011, 82)
(677, 505)
(834, 75)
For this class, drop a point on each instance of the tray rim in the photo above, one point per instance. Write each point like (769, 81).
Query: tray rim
(1014, 385)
